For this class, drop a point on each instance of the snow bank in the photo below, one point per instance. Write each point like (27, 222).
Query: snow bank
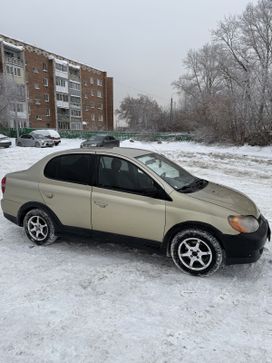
(80, 300)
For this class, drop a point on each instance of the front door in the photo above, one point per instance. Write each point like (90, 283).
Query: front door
(122, 201)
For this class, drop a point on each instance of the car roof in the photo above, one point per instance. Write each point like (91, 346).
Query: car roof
(121, 151)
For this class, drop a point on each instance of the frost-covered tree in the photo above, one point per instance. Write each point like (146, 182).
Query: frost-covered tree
(141, 113)
(228, 83)
(8, 96)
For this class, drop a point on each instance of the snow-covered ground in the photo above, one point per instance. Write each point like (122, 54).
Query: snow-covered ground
(80, 300)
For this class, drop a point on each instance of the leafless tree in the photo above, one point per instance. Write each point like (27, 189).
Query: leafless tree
(228, 82)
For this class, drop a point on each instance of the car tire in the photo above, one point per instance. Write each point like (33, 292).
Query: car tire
(39, 227)
(37, 144)
(196, 252)
(19, 144)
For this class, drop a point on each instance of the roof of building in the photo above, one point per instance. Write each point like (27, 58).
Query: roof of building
(18, 44)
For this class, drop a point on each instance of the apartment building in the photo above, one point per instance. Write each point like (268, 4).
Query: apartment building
(53, 91)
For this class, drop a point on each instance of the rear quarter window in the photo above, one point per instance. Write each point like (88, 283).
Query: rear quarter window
(70, 168)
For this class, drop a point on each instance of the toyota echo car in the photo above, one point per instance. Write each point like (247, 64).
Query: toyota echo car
(138, 194)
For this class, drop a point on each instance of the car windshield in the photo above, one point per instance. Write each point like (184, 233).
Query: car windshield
(96, 138)
(39, 136)
(172, 173)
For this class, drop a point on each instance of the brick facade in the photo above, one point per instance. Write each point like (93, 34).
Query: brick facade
(40, 86)
(61, 93)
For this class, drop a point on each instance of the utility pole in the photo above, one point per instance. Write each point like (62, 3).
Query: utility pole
(16, 121)
(171, 111)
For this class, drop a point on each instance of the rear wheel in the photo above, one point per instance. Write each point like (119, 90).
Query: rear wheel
(19, 143)
(196, 252)
(39, 227)
(37, 144)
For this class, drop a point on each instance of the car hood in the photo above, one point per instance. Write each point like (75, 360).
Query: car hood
(227, 198)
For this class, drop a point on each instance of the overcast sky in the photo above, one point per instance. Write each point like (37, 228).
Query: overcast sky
(141, 43)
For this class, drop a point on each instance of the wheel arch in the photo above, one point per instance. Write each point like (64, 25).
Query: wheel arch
(33, 205)
(185, 225)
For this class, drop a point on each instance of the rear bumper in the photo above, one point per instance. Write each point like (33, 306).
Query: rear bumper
(5, 144)
(246, 247)
(11, 218)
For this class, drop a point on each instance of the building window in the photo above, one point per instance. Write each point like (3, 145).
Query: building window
(47, 112)
(45, 82)
(92, 92)
(75, 100)
(86, 108)
(93, 117)
(46, 97)
(44, 67)
(35, 70)
(74, 85)
(61, 67)
(100, 118)
(60, 82)
(76, 113)
(85, 96)
(91, 80)
(16, 71)
(36, 86)
(37, 101)
(62, 97)
(17, 107)
(99, 94)
(99, 82)
(9, 69)
(38, 117)
(100, 106)
(21, 90)
(92, 105)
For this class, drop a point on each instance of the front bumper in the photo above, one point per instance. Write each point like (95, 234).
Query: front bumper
(246, 247)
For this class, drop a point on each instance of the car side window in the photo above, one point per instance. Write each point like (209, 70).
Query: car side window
(74, 168)
(119, 174)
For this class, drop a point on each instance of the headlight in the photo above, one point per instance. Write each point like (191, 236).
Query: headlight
(244, 224)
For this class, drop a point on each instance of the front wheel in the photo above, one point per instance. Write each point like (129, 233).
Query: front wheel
(39, 227)
(196, 252)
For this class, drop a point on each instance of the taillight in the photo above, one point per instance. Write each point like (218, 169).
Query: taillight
(3, 184)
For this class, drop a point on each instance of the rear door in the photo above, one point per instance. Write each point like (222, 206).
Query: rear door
(66, 190)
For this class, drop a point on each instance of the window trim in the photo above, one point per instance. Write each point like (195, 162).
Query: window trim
(91, 163)
(162, 194)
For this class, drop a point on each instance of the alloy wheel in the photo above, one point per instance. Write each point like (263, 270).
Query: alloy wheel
(195, 254)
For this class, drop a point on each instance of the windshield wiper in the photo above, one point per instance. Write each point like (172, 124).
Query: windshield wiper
(195, 185)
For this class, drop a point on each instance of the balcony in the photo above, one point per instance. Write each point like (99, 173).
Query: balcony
(74, 77)
(62, 104)
(14, 61)
(75, 105)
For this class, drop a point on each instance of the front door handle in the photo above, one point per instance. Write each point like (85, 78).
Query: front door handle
(49, 195)
(101, 204)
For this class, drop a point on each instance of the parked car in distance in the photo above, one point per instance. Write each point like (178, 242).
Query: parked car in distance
(34, 140)
(100, 141)
(4, 141)
(132, 193)
(49, 134)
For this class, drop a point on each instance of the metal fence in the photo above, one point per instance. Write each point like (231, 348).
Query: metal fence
(121, 135)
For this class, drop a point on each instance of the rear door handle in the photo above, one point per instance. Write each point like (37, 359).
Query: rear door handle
(101, 204)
